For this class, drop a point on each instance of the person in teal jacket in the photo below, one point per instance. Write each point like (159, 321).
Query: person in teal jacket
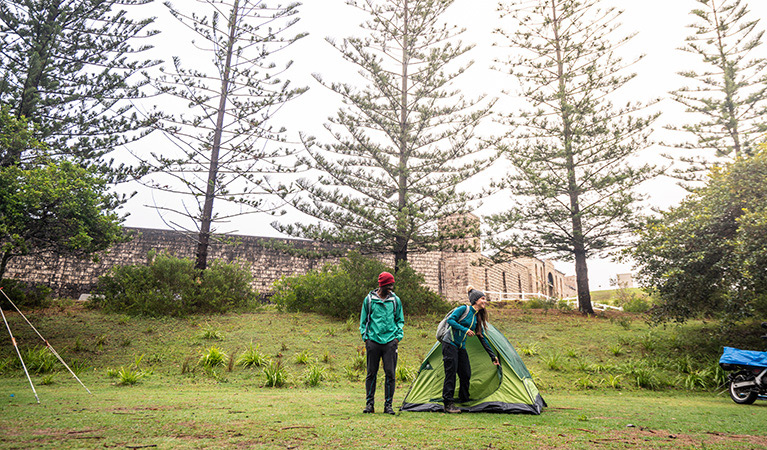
(465, 322)
(381, 321)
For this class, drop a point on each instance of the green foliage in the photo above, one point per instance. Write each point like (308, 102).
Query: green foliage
(726, 91)
(39, 360)
(574, 188)
(168, 285)
(224, 132)
(616, 350)
(314, 375)
(253, 357)
(338, 290)
(553, 361)
(50, 205)
(539, 303)
(213, 357)
(210, 332)
(127, 376)
(404, 374)
(614, 381)
(403, 143)
(358, 362)
(303, 357)
(276, 374)
(72, 68)
(708, 255)
(24, 294)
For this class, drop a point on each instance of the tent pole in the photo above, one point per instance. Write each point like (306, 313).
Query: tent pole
(13, 340)
(47, 344)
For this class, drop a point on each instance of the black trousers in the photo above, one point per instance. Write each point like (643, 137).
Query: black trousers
(456, 361)
(375, 353)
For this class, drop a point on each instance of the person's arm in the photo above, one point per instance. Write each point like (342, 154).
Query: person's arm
(487, 347)
(453, 319)
(364, 318)
(400, 319)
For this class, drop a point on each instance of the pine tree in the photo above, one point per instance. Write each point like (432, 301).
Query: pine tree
(572, 186)
(729, 96)
(69, 67)
(228, 145)
(403, 140)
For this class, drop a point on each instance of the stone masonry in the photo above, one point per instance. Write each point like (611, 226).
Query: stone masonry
(447, 272)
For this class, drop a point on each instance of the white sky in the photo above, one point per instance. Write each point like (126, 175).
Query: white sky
(660, 26)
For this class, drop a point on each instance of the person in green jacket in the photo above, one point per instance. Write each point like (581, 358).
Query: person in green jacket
(381, 321)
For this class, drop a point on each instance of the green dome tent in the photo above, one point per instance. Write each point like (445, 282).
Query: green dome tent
(507, 388)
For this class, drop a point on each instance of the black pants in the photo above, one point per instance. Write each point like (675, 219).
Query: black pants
(375, 353)
(456, 361)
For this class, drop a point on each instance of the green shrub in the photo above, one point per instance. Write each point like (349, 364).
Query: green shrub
(252, 357)
(314, 375)
(276, 375)
(170, 286)
(128, 377)
(40, 360)
(24, 294)
(213, 357)
(338, 290)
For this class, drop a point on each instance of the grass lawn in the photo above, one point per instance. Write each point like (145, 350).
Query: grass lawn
(586, 368)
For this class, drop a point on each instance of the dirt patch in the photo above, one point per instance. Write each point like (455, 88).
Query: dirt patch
(640, 437)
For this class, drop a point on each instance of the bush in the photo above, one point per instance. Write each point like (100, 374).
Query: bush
(338, 290)
(170, 286)
(24, 294)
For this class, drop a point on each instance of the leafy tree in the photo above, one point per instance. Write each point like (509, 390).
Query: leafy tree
(402, 142)
(68, 66)
(729, 96)
(225, 138)
(573, 186)
(708, 255)
(50, 206)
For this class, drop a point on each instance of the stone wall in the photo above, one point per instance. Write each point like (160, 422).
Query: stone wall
(72, 277)
(446, 272)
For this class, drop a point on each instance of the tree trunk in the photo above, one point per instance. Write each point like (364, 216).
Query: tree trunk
(401, 242)
(578, 241)
(210, 192)
(582, 282)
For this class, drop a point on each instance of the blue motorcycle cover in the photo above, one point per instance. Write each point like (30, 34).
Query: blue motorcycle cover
(743, 357)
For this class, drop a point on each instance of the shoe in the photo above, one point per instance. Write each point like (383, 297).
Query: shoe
(368, 409)
(451, 409)
(388, 410)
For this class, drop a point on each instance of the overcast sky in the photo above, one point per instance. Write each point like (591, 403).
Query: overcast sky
(660, 26)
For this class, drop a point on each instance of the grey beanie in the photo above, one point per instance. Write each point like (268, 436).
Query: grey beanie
(475, 295)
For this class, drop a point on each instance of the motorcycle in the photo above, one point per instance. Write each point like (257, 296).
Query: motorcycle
(749, 378)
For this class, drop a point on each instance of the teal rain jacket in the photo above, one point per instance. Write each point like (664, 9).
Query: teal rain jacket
(381, 320)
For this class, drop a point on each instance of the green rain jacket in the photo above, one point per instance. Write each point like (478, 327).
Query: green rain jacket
(381, 320)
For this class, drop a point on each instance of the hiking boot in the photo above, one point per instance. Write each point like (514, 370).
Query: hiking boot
(388, 410)
(451, 409)
(368, 409)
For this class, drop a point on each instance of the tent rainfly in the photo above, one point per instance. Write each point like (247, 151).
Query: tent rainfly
(507, 388)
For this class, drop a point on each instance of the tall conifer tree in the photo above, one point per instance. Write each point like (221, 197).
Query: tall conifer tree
(70, 67)
(227, 142)
(402, 142)
(572, 187)
(728, 98)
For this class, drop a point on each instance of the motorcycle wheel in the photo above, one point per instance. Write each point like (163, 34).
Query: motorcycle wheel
(742, 396)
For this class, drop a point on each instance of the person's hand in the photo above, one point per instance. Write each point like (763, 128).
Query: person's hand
(470, 333)
(495, 361)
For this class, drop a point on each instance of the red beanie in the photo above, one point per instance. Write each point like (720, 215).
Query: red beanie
(385, 278)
